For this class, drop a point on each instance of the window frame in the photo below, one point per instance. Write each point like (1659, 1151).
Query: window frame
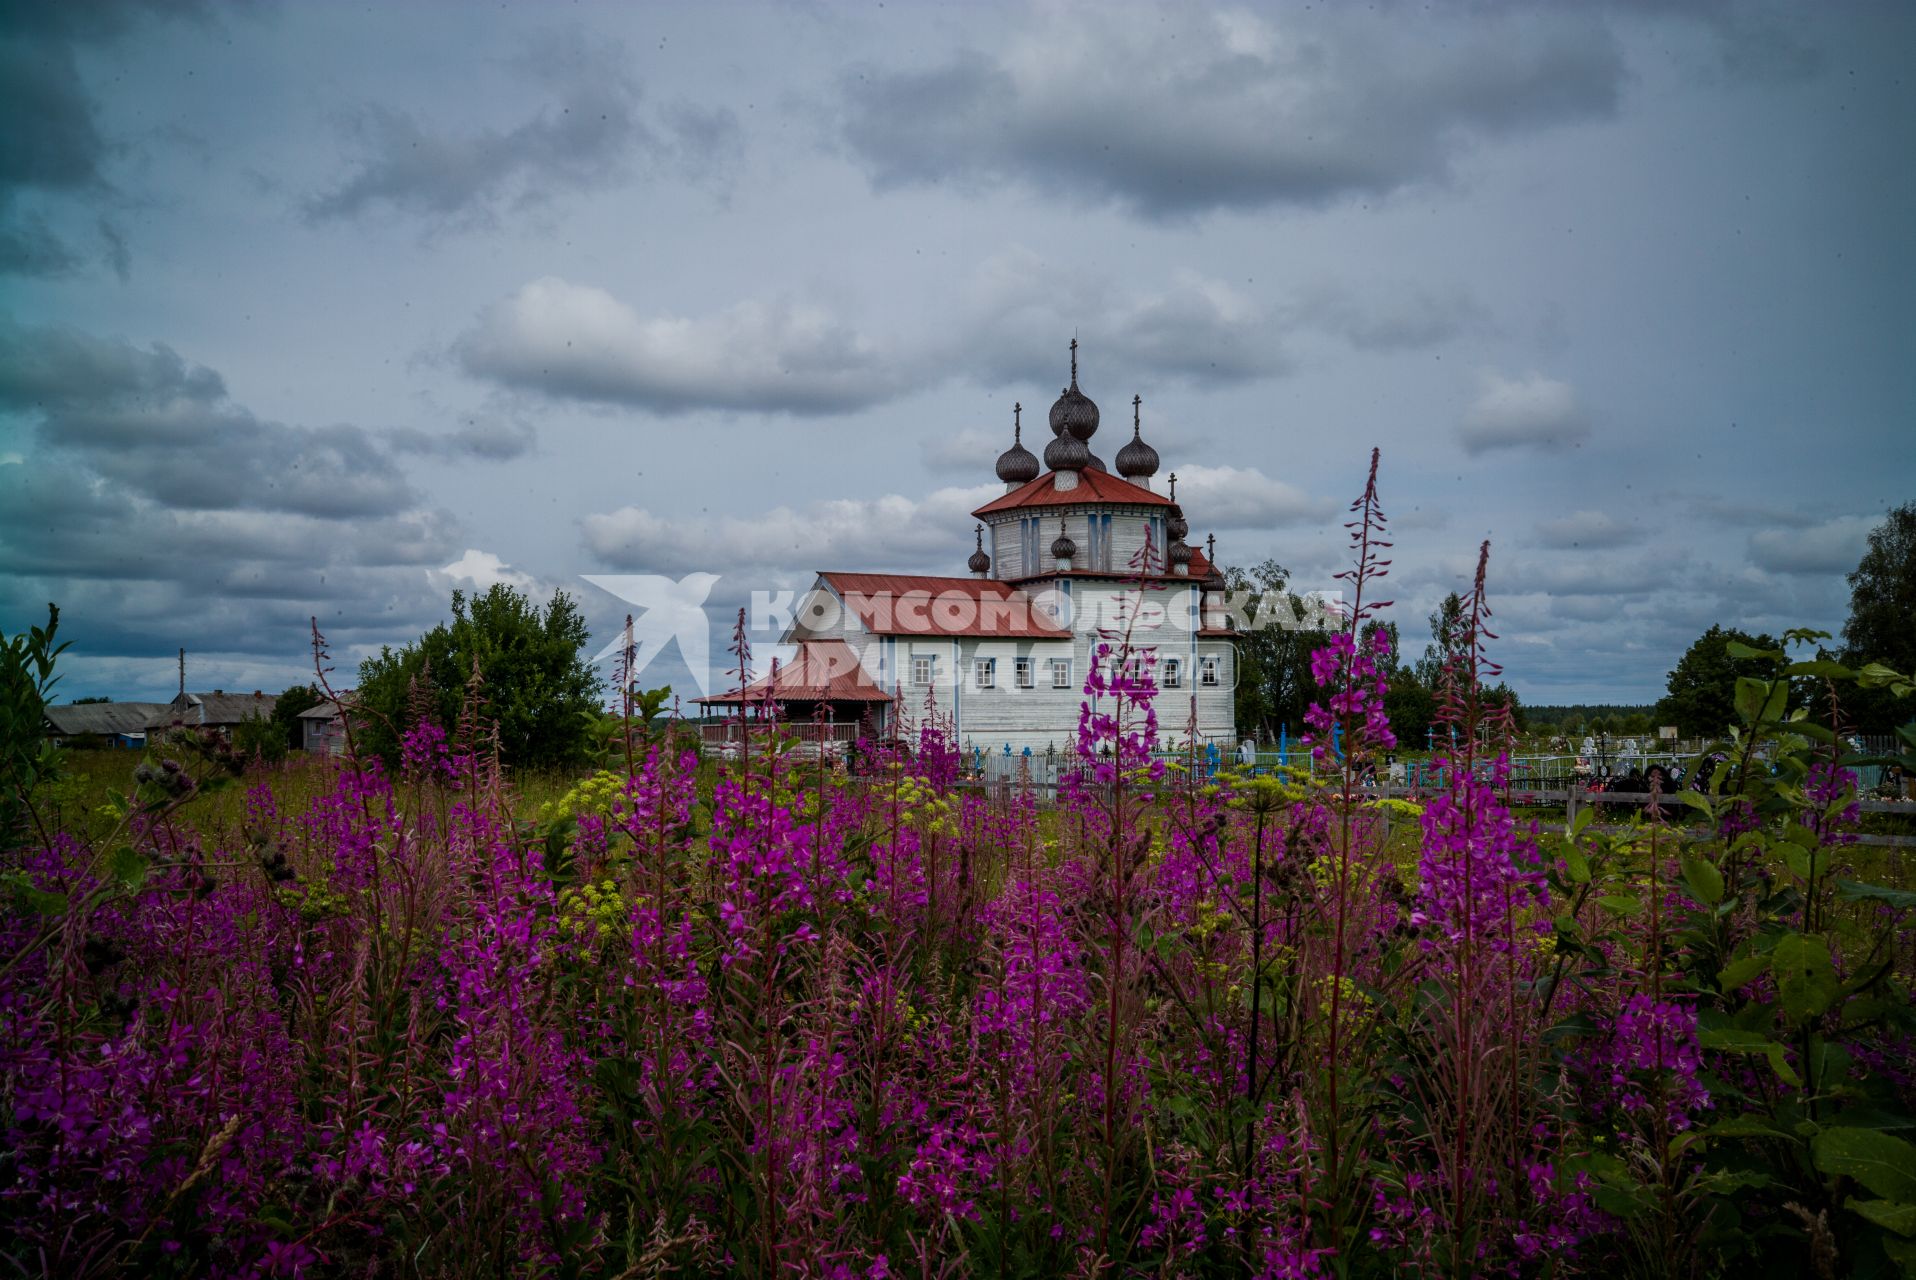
(927, 663)
(1173, 673)
(1024, 674)
(1210, 671)
(984, 673)
(1060, 672)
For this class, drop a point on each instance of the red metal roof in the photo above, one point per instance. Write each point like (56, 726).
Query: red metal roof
(821, 671)
(901, 604)
(1093, 486)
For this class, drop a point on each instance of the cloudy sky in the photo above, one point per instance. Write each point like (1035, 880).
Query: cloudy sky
(322, 310)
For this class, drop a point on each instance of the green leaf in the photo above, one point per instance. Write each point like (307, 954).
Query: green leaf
(1857, 891)
(1874, 675)
(1884, 1164)
(1747, 1127)
(1750, 695)
(1740, 971)
(1576, 866)
(1621, 903)
(1738, 649)
(1821, 668)
(1731, 1041)
(1705, 881)
(1585, 816)
(1805, 979)
(1696, 800)
(128, 866)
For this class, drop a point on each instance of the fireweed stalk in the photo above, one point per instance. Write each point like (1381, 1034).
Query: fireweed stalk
(1354, 672)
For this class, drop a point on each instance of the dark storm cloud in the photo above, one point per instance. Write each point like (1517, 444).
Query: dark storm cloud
(1176, 114)
(165, 429)
(52, 144)
(585, 139)
(29, 247)
(40, 85)
(58, 370)
(157, 512)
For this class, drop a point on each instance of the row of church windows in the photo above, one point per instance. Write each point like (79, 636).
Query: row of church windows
(1035, 535)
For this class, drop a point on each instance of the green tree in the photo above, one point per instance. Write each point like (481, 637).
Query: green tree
(1274, 685)
(1701, 701)
(27, 759)
(259, 736)
(538, 688)
(1446, 640)
(1411, 708)
(1882, 616)
(293, 701)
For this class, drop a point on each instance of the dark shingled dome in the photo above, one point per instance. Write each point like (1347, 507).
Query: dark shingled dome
(1017, 465)
(1137, 459)
(1074, 411)
(979, 562)
(1067, 453)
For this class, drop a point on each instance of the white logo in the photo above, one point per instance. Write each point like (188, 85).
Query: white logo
(669, 611)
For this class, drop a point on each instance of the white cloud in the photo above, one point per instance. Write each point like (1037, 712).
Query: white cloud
(480, 570)
(1527, 411)
(1244, 498)
(1834, 546)
(577, 341)
(931, 534)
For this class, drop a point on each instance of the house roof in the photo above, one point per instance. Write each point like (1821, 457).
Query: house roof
(101, 717)
(901, 604)
(217, 707)
(821, 671)
(1093, 486)
(327, 708)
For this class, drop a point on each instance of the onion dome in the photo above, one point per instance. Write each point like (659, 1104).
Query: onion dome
(1175, 528)
(1137, 460)
(1017, 465)
(980, 562)
(1179, 554)
(1067, 453)
(1062, 547)
(1074, 411)
(1095, 463)
(1214, 577)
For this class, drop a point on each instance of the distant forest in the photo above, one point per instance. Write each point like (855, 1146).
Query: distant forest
(1582, 718)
